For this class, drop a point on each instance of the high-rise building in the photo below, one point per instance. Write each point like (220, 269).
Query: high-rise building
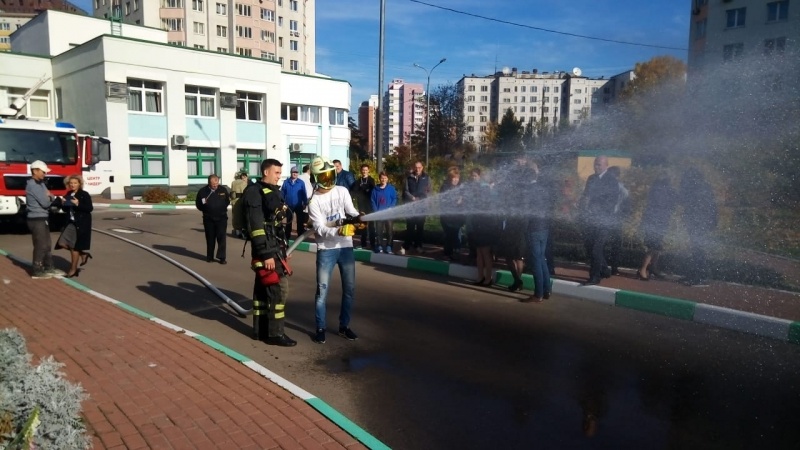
(366, 123)
(279, 30)
(542, 98)
(404, 106)
(728, 30)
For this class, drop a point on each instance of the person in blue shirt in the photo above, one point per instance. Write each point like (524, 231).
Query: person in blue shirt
(296, 199)
(344, 178)
(384, 196)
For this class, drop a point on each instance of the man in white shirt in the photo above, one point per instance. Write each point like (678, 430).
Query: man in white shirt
(329, 205)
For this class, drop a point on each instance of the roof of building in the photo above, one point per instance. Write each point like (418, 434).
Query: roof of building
(37, 6)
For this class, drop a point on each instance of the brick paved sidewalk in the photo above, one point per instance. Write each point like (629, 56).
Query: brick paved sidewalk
(152, 387)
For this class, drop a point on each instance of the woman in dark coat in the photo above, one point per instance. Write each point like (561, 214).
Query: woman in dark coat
(451, 224)
(77, 236)
(661, 201)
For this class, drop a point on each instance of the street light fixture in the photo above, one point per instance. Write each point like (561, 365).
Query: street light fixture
(428, 108)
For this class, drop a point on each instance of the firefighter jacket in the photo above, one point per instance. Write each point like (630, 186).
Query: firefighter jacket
(264, 210)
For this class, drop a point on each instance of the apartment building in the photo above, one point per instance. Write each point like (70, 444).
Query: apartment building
(278, 30)
(404, 113)
(545, 98)
(366, 123)
(15, 14)
(173, 115)
(729, 30)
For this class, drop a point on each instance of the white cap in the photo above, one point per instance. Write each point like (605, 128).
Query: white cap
(40, 165)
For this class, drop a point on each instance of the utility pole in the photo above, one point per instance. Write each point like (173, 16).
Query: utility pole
(428, 109)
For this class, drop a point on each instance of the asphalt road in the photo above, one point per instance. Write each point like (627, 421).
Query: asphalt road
(442, 364)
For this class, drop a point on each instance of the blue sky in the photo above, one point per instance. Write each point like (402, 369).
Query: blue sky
(348, 38)
(348, 31)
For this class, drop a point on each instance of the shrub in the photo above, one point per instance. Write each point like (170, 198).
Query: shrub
(158, 195)
(37, 402)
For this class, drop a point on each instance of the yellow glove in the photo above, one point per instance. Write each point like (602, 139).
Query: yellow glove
(347, 230)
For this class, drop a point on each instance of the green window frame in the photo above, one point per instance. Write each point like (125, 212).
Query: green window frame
(148, 161)
(249, 160)
(202, 162)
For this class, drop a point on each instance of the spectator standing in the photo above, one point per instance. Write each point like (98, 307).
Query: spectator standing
(239, 184)
(264, 211)
(213, 201)
(539, 207)
(362, 191)
(598, 201)
(294, 195)
(621, 211)
(38, 201)
(452, 223)
(417, 187)
(344, 178)
(513, 242)
(331, 203)
(306, 177)
(700, 219)
(384, 196)
(661, 201)
(77, 236)
(482, 229)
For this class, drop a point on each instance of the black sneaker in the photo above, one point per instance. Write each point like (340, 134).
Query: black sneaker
(347, 333)
(319, 338)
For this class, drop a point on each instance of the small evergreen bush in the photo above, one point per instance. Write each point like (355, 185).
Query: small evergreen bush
(158, 195)
(38, 408)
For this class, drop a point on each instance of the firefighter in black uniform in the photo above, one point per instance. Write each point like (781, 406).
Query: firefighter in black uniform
(264, 211)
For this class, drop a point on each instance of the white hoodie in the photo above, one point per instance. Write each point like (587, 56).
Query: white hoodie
(329, 207)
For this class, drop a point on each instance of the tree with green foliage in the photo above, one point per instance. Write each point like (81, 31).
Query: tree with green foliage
(509, 133)
(357, 148)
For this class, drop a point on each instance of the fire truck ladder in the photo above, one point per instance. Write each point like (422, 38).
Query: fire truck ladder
(15, 108)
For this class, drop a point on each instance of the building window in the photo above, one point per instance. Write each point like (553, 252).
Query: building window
(545, 109)
(775, 46)
(280, 21)
(732, 52)
(294, 64)
(337, 116)
(521, 109)
(280, 42)
(534, 88)
(249, 106)
(222, 31)
(300, 113)
(127, 8)
(5, 40)
(135, 5)
(484, 98)
(522, 89)
(197, 5)
(522, 99)
(470, 98)
(735, 17)
(268, 15)
(470, 118)
(534, 99)
(484, 88)
(267, 36)
(201, 101)
(483, 118)
(577, 101)
(244, 32)
(293, 5)
(201, 162)
(555, 89)
(484, 108)
(199, 47)
(148, 161)
(172, 24)
(293, 28)
(249, 160)
(145, 96)
(38, 105)
(470, 88)
(222, 9)
(293, 45)
(777, 11)
(244, 51)
(546, 100)
(700, 29)
(243, 10)
(172, 4)
(470, 108)
(222, 49)
(177, 43)
(199, 28)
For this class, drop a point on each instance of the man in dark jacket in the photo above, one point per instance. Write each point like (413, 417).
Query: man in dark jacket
(362, 192)
(264, 211)
(417, 187)
(598, 202)
(294, 194)
(344, 178)
(213, 200)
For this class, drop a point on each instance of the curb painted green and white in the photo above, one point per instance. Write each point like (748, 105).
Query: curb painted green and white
(731, 319)
(323, 408)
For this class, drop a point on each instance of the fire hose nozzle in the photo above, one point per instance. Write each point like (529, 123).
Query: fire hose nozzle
(354, 220)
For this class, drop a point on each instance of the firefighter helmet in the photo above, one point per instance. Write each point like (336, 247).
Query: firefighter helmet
(324, 173)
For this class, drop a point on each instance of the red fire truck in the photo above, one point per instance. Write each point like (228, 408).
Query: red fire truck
(58, 144)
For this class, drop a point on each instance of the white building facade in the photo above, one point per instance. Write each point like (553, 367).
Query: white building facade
(176, 115)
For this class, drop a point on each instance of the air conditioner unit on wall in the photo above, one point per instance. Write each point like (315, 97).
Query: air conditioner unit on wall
(228, 101)
(180, 141)
(295, 147)
(115, 90)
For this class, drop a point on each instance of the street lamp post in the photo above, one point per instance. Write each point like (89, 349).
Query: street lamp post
(428, 108)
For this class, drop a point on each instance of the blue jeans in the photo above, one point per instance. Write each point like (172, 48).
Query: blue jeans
(541, 274)
(346, 260)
